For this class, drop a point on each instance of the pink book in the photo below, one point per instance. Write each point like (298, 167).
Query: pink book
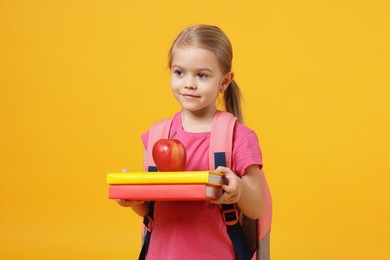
(164, 191)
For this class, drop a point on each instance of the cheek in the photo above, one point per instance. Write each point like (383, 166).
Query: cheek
(174, 88)
(174, 85)
(213, 88)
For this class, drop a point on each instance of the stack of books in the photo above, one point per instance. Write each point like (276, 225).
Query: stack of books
(189, 185)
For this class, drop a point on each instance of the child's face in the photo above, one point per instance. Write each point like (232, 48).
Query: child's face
(196, 78)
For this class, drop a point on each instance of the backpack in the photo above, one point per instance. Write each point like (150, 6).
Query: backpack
(250, 238)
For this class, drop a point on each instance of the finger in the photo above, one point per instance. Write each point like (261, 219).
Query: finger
(230, 200)
(218, 200)
(124, 203)
(229, 175)
(231, 183)
(221, 199)
(228, 188)
(225, 201)
(125, 170)
(221, 169)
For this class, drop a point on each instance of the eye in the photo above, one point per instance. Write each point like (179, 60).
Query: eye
(178, 72)
(201, 75)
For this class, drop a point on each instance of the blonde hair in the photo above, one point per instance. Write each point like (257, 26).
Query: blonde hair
(213, 39)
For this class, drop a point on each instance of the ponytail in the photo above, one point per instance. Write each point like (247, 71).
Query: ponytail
(232, 99)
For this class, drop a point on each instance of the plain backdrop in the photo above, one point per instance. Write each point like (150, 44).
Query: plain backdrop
(80, 81)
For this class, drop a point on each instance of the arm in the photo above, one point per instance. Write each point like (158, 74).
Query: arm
(245, 191)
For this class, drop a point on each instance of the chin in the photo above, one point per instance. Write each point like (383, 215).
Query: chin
(191, 106)
(190, 109)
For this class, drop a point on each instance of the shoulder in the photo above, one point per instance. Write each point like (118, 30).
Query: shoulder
(246, 149)
(242, 132)
(161, 125)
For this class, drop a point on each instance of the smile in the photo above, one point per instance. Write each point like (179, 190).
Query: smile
(190, 96)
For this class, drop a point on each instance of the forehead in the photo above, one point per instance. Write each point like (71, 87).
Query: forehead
(193, 57)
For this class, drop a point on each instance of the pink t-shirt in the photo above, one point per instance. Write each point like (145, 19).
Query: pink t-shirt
(195, 229)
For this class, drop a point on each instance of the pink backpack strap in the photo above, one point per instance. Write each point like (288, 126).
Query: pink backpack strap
(221, 148)
(158, 131)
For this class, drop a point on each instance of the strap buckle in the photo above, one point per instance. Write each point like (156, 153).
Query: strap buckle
(230, 216)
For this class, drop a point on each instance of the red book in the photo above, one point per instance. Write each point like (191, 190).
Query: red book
(164, 191)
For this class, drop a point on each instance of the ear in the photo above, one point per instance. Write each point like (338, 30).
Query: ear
(226, 81)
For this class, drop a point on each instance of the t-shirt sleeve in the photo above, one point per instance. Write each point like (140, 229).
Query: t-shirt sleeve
(246, 150)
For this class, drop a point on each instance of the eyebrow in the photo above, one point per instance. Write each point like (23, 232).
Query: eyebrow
(200, 69)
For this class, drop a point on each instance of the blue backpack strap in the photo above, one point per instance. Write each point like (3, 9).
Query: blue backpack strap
(234, 229)
(221, 147)
(156, 132)
(148, 222)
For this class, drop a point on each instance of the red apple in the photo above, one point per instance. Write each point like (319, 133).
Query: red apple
(169, 155)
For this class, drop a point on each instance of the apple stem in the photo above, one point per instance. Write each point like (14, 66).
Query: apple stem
(173, 135)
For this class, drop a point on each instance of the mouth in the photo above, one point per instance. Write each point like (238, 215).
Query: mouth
(190, 96)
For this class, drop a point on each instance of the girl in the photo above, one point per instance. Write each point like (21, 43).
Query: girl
(200, 61)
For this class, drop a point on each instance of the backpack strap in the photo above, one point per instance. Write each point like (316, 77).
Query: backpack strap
(147, 231)
(264, 223)
(220, 150)
(220, 154)
(156, 132)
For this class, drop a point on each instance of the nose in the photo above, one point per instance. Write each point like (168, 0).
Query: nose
(190, 83)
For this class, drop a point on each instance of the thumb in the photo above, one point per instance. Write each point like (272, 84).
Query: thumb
(125, 170)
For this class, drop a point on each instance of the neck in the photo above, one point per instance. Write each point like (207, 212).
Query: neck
(198, 121)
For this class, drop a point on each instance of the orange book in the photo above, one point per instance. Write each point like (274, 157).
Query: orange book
(175, 192)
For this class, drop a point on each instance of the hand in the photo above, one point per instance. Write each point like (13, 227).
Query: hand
(233, 189)
(128, 203)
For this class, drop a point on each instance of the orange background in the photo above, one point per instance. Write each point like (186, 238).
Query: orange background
(81, 80)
